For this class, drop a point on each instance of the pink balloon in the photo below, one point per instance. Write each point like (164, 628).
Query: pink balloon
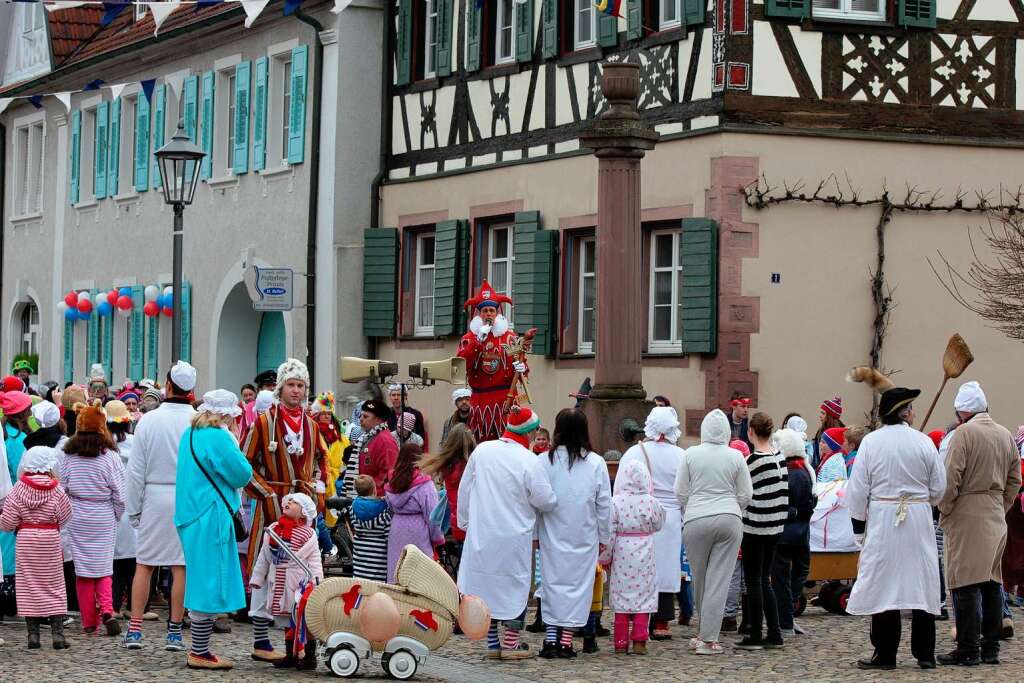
(168, 311)
(112, 297)
(151, 309)
(71, 299)
(124, 303)
(474, 617)
(379, 619)
(84, 305)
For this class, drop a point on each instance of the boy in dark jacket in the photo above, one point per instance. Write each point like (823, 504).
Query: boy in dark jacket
(793, 552)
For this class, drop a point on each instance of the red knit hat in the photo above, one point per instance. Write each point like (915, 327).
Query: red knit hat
(12, 383)
(522, 421)
(834, 437)
(741, 446)
(936, 435)
(833, 407)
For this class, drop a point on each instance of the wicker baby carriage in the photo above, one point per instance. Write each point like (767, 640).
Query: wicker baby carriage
(427, 601)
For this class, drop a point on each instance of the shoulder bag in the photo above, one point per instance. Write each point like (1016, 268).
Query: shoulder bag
(241, 533)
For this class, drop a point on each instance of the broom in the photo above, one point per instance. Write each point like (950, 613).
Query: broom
(954, 361)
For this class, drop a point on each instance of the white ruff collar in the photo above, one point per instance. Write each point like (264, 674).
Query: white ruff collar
(499, 328)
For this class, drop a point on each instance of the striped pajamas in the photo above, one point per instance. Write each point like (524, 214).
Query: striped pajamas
(94, 486)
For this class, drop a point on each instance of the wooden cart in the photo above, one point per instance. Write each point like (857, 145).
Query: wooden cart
(834, 574)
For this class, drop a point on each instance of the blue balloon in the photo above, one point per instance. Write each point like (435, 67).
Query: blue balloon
(124, 291)
(71, 314)
(84, 316)
(104, 308)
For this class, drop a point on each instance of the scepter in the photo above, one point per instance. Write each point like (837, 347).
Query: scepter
(516, 350)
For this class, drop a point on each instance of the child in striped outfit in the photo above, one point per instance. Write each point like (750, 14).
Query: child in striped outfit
(370, 520)
(36, 508)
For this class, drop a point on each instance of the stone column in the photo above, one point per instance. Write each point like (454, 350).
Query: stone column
(619, 139)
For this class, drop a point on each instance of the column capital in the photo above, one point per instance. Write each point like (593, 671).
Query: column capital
(61, 120)
(328, 36)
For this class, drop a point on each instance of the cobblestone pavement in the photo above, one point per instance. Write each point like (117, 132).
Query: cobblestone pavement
(828, 653)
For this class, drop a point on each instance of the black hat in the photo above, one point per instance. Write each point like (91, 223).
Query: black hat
(266, 377)
(378, 408)
(896, 399)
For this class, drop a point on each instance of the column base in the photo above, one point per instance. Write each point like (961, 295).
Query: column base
(618, 391)
(604, 417)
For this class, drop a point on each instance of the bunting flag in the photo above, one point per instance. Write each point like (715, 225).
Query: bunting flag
(175, 80)
(290, 6)
(4, 101)
(147, 88)
(609, 7)
(340, 6)
(93, 85)
(65, 99)
(61, 4)
(253, 8)
(37, 101)
(116, 90)
(160, 12)
(111, 10)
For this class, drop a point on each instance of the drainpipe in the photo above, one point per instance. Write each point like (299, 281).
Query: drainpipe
(314, 195)
(3, 203)
(385, 136)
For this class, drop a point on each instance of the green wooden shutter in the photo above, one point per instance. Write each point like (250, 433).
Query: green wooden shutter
(700, 285)
(206, 126)
(524, 31)
(607, 30)
(186, 323)
(549, 28)
(443, 46)
(635, 19)
(534, 281)
(142, 116)
(136, 332)
(919, 13)
(451, 255)
(380, 281)
(153, 347)
(474, 20)
(191, 96)
(159, 126)
(114, 149)
(259, 123)
(76, 156)
(403, 44)
(107, 346)
(240, 163)
(92, 348)
(693, 10)
(787, 8)
(99, 175)
(69, 350)
(297, 116)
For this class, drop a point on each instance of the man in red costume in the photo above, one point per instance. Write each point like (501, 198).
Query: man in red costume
(489, 368)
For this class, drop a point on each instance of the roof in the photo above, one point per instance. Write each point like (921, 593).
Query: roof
(71, 27)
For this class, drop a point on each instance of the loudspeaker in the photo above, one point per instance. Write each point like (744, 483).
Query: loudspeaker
(451, 370)
(357, 369)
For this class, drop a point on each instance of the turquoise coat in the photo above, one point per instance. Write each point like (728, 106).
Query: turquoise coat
(14, 441)
(213, 572)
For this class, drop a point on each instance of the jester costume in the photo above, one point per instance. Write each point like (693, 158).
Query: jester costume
(489, 368)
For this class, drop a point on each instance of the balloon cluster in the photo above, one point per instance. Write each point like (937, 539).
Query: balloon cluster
(157, 301)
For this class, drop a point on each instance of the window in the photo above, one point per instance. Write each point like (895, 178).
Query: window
(87, 155)
(863, 10)
(670, 14)
(585, 24)
(499, 259)
(505, 37)
(140, 11)
(29, 171)
(129, 137)
(424, 313)
(229, 153)
(29, 329)
(665, 312)
(588, 295)
(430, 40)
(286, 104)
(99, 136)
(32, 20)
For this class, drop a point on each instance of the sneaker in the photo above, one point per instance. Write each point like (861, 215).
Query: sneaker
(749, 644)
(640, 647)
(150, 616)
(521, 652)
(111, 624)
(875, 663)
(175, 643)
(774, 643)
(958, 658)
(798, 630)
(788, 632)
(1007, 631)
(696, 642)
(132, 640)
(207, 661)
(709, 649)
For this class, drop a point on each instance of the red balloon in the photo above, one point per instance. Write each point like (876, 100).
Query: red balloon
(71, 299)
(84, 305)
(124, 303)
(112, 297)
(168, 311)
(151, 309)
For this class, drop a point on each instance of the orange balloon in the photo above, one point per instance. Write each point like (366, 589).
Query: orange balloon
(379, 618)
(474, 617)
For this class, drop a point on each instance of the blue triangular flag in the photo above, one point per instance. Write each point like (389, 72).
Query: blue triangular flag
(111, 10)
(290, 6)
(37, 101)
(206, 3)
(147, 88)
(94, 85)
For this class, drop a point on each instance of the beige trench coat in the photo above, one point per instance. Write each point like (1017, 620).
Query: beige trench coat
(982, 479)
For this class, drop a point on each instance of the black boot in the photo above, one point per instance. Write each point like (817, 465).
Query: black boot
(590, 645)
(289, 656)
(549, 651)
(57, 632)
(32, 624)
(308, 661)
(600, 631)
(538, 623)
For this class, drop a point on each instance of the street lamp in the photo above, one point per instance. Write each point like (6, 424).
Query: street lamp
(179, 172)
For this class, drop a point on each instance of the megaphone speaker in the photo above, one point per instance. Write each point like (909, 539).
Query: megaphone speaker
(451, 370)
(358, 369)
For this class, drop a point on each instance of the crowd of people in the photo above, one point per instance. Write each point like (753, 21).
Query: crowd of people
(116, 500)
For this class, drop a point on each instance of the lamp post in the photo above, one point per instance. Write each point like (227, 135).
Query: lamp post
(179, 172)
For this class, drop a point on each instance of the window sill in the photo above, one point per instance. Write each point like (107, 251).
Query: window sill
(25, 218)
(126, 197)
(663, 353)
(424, 85)
(847, 25)
(276, 170)
(496, 71)
(222, 182)
(587, 54)
(87, 204)
(663, 37)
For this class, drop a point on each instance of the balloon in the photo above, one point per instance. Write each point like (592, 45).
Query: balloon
(124, 302)
(104, 309)
(111, 297)
(474, 617)
(124, 312)
(168, 299)
(99, 298)
(61, 307)
(151, 293)
(125, 291)
(71, 314)
(169, 290)
(85, 305)
(151, 309)
(379, 618)
(168, 311)
(84, 316)
(71, 299)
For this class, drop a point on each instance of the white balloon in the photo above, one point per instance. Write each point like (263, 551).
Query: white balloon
(84, 295)
(168, 290)
(124, 313)
(100, 297)
(61, 307)
(151, 293)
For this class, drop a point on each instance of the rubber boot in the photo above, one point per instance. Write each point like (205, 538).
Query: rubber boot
(57, 632)
(289, 657)
(308, 661)
(32, 624)
(538, 623)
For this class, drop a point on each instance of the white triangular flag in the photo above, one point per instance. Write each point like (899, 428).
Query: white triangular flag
(253, 8)
(4, 101)
(340, 5)
(175, 80)
(65, 99)
(62, 4)
(115, 90)
(161, 10)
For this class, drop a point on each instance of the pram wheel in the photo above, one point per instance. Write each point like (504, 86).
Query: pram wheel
(400, 665)
(343, 661)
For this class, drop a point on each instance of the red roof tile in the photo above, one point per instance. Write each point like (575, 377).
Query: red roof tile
(69, 28)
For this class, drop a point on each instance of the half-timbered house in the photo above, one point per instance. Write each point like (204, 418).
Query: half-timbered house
(485, 177)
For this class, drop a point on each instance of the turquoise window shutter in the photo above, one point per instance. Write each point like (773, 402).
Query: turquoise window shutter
(919, 13)
(700, 285)
(158, 119)
(69, 350)
(114, 149)
(92, 347)
(549, 28)
(76, 156)
(797, 9)
(186, 322)
(694, 12)
(403, 46)
(191, 96)
(443, 47)
(142, 117)
(473, 35)
(607, 30)
(259, 116)
(243, 76)
(635, 19)
(107, 346)
(380, 281)
(451, 252)
(534, 279)
(206, 126)
(524, 31)
(136, 331)
(99, 174)
(153, 348)
(297, 116)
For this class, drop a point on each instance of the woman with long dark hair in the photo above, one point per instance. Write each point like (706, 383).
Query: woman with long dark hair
(412, 496)
(572, 534)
